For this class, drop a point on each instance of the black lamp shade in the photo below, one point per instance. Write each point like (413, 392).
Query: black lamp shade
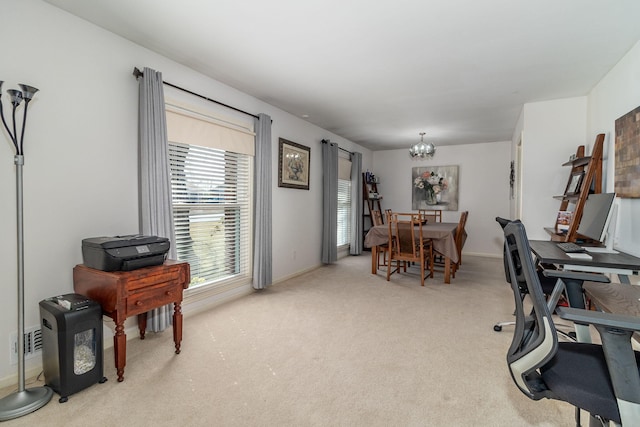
(16, 97)
(28, 92)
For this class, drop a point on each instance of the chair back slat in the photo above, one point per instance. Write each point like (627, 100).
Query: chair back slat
(430, 215)
(376, 217)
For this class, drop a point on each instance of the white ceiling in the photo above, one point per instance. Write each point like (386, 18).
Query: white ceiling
(379, 72)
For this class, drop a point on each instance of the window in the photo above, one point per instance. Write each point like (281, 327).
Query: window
(344, 212)
(210, 190)
(211, 163)
(344, 201)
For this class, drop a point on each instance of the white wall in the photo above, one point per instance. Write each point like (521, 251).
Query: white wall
(80, 173)
(552, 131)
(483, 184)
(617, 94)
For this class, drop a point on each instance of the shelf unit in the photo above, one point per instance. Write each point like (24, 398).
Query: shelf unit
(587, 170)
(369, 201)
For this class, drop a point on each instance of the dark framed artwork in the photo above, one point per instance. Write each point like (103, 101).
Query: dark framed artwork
(293, 165)
(573, 187)
(627, 155)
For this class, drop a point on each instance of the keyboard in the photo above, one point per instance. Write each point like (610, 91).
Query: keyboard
(570, 247)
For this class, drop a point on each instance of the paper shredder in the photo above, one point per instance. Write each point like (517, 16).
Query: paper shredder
(72, 346)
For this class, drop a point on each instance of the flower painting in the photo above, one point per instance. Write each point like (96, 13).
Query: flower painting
(435, 187)
(293, 165)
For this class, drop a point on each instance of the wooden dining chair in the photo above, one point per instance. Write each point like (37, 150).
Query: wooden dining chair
(459, 239)
(461, 236)
(383, 250)
(430, 215)
(408, 245)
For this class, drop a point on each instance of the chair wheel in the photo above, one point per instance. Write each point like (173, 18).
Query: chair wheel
(497, 328)
(63, 399)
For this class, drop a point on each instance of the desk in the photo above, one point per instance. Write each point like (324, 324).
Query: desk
(615, 298)
(127, 293)
(441, 233)
(620, 263)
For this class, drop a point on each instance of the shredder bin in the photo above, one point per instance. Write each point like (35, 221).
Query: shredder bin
(72, 345)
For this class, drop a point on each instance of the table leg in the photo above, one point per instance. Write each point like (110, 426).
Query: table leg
(447, 270)
(177, 326)
(120, 350)
(142, 324)
(374, 259)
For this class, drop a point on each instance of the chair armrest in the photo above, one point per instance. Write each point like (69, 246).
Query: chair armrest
(615, 332)
(598, 318)
(576, 275)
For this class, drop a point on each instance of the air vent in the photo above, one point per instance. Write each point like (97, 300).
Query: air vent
(32, 344)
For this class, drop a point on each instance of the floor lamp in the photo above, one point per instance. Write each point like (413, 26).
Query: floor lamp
(24, 401)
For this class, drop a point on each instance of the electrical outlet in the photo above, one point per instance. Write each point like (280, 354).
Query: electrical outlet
(32, 344)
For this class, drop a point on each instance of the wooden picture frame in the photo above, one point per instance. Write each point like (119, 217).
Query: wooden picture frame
(627, 155)
(293, 165)
(573, 187)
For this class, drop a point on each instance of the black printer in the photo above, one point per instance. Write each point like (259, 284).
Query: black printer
(124, 253)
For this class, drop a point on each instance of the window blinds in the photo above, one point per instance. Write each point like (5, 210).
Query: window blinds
(211, 208)
(344, 201)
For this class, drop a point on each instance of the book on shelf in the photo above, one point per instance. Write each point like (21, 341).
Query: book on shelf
(564, 220)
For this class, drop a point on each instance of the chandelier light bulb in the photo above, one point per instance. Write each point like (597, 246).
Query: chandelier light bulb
(422, 150)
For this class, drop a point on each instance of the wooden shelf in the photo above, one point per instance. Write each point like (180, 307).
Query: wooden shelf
(369, 204)
(578, 161)
(590, 170)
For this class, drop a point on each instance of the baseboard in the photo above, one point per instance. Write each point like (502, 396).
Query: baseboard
(481, 254)
(296, 274)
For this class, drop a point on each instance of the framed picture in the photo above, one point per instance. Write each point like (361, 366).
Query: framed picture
(434, 188)
(627, 155)
(293, 165)
(574, 183)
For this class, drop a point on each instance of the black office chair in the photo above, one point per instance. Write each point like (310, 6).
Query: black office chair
(548, 283)
(600, 379)
(549, 277)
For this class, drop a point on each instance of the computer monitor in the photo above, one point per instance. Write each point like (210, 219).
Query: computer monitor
(596, 215)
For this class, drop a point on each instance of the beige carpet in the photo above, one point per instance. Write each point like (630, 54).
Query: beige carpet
(333, 347)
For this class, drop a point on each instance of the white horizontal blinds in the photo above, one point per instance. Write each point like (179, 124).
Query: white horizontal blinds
(344, 201)
(198, 129)
(211, 209)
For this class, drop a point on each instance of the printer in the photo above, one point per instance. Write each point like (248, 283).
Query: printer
(124, 253)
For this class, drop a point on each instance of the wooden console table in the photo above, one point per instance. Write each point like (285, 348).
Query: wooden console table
(127, 293)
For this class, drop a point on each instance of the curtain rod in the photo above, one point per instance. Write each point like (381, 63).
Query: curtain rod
(326, 141)
(137, 73)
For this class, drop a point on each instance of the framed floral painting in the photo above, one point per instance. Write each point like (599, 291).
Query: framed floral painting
(293, 165)
(434, 187)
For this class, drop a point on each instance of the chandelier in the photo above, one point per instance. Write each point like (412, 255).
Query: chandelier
(422, 150)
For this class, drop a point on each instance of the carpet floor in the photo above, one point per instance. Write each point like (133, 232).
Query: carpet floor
(336, 346)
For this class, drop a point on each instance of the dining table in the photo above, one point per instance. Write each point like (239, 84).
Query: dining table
(442, 234)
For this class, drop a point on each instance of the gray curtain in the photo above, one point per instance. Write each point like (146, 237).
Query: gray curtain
(329, 202)
(154, 177)
(356, 204)
(262, 248)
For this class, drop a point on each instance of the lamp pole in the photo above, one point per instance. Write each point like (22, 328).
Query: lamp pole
(24, 401)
